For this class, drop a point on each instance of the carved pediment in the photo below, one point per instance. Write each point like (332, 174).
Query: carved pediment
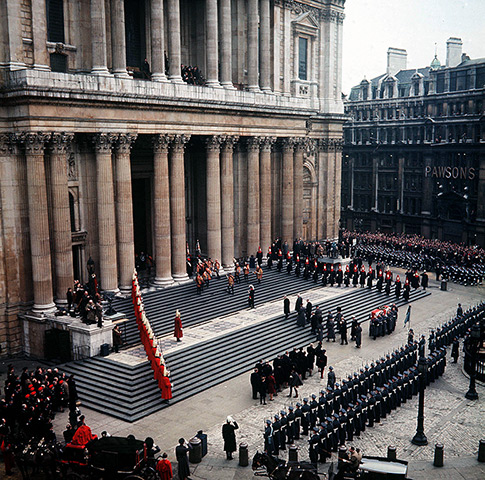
(305, 23)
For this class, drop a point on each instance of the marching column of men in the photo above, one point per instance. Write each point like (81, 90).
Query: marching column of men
(344, 410)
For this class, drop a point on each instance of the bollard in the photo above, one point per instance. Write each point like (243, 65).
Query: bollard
(342, 455)
(391, 452)
(293, 453)
(438, 455)
(243, 455)
(195, 453)
(481, 451)
(444, 285)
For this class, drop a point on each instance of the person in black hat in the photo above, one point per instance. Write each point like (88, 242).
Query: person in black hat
(331, 378)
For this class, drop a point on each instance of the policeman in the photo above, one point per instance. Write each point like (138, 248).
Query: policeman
(276, 434)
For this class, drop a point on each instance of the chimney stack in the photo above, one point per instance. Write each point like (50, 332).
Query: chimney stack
(454, 47)
(396, 60)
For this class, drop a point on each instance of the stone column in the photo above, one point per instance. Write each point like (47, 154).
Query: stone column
(375, 184)
(212, 43)
(157, 41)
(177, 207)
(253, 46)
(300, 147)
(161, 206)
(98, 38)
(108, 267)
(225, 29)
(39, 35)
(124, 211)
(227, 199)
(214, 240)
(265, 33)
(174, 51)
(118, 39)
(480, 189)
(38, 222)
(338, 147)
(322, 146)
(253, 195)
(265, 188)
(61, 216)
(287, 191)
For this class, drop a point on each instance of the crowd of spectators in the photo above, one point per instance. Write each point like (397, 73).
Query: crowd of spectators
(192, 75)
(86, 301)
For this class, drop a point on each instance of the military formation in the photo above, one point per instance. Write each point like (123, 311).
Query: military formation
(344, 410)
(450, 261)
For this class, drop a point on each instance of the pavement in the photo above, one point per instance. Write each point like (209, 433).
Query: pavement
(450, 419)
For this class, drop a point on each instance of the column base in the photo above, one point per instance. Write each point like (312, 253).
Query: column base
(121, 74)
(228, 85)
(266, 90)
(176, 79)
(61, 303)
(160, 77)
(181, 278)
(100, 71)
(254, 88)
(125, 290)
(42, 310)
(213, 84)
(162, 282)
(228, 268)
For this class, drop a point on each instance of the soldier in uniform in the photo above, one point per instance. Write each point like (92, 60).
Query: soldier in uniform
(276, 434)
(314, 442)
(284, 430)
(305, 419)
(331, 378)
(268, 438)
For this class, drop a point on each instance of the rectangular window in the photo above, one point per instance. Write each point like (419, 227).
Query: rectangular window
(55, 21)
(440, 83)
(303, 58)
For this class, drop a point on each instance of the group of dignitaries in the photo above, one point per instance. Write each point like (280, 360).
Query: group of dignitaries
(344, 410)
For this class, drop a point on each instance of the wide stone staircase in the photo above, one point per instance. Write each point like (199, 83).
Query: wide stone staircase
(129, 392)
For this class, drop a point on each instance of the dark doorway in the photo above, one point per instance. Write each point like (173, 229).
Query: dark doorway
(135, 33)
(77, 263)
(142, 214)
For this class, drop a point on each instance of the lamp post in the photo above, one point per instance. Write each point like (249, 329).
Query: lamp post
(475, 339)
(420, 438)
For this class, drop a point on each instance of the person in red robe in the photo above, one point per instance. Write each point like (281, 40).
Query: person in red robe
(83, 434)
(178, 332)
(164, 468)
(165, 385)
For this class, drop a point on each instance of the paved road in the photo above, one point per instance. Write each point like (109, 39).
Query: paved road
(449, 418)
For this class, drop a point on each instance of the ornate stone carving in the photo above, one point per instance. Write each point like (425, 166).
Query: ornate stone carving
(267, 143)
(336, 144)
(103, 142)
(125, 141)
(253, 144)
(288, 144)
(72, 174)
(60, 142)
(230, 142)
(8, 143)
(34, 142)
(161, 142)
(179, 141)
(323, 144)
(213, 143)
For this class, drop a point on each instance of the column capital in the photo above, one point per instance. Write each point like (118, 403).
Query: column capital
(125, 142)
(267, 143)
(253, 144)
(161, 142)
(60, 142)
(301, 144)
(288, 144)
(214, 142)
(323, 144)
(103, 142)
(337, 144)
(179, 141)
(8, 143)
(230, 142)
(34, 142)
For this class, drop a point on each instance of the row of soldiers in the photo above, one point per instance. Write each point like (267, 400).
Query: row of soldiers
(344, 411)
(465, 265)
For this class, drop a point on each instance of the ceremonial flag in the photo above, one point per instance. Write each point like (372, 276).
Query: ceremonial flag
(407, 318)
